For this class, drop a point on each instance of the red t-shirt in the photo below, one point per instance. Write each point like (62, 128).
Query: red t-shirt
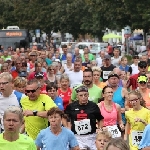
(66, 96)
(43, 89)
(110, 49)
(14, 74)
(133, 81)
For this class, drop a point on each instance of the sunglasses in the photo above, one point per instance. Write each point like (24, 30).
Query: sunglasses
(51, 69)
(142, 66)
(142, 82)
(31, 91)
(135, 57)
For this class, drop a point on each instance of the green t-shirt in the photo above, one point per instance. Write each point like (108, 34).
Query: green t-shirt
(94, 93)
(5, 57)
(23, 143)
(91, 57)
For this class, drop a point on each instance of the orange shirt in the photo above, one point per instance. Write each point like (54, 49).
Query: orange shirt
(146, 97)
(101, 85)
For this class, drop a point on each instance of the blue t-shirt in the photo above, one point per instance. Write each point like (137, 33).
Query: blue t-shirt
(59, 102)
(48, 61)
(63, 141)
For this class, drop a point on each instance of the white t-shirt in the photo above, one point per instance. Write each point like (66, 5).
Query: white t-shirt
(99, 62)
(134, 69)
(142, 48)
(6, 102)
(75, 78)
(67, 70)
(115, 61)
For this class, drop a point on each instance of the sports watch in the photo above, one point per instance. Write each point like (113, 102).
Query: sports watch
(35, 112)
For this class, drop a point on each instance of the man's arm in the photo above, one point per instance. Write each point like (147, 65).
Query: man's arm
(42, 114)
(125, 94)
(75, 148)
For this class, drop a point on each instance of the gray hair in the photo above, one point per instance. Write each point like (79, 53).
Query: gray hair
(64, 76)
(7, 76)
(69, 55)
(14, 110)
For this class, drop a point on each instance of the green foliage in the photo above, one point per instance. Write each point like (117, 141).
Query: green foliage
(75, 16)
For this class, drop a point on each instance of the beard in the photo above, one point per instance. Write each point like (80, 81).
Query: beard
(87, 82)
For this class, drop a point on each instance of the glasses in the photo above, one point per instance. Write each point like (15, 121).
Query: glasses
(143, 67)
(32, 91)
(3, 83)
(83, 95)
(136, 58)
(51, 69)
(142, 82)
(133, 100)
(108, 92)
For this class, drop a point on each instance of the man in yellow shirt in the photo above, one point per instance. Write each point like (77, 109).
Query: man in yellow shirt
(35, 107)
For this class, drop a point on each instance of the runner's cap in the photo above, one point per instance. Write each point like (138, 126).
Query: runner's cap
(107, 57)
(82, 89)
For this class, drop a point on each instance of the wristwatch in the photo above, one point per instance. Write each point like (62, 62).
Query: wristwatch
(35, 112)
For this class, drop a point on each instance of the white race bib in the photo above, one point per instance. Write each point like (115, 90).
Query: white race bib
(1, 121)
(114, 131)
(83, 126)
(136, 137)
(105, 74)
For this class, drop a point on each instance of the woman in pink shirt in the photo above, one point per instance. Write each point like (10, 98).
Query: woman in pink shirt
(110, 110)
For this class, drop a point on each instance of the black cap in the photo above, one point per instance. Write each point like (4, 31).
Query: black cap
(113, 75)
(39, 74)
(135, 57)
(82, 89)
(142, 64)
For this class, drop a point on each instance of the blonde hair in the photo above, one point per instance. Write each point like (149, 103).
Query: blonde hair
(95, 68)
(20, 82)
(7, 76)
(105, 133)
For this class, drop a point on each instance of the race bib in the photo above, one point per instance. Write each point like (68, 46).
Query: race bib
(1, 121)
(136, 137)
(83, 126)
(105, 74)
(114, 131)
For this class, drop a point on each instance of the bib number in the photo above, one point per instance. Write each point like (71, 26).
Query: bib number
(136, 137)
(83, 126)
(105, 74)
(114, 131)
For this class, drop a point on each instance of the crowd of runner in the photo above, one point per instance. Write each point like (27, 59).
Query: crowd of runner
(74, 101)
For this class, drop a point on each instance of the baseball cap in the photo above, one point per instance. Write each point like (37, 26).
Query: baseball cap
(107, 57)
(112, 74)
(39, 74)
(82, 89)
(142, 64)
(142, 78)
(135, 57)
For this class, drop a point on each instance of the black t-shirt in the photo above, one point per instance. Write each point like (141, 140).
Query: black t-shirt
(106, 71)
(77, 112)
